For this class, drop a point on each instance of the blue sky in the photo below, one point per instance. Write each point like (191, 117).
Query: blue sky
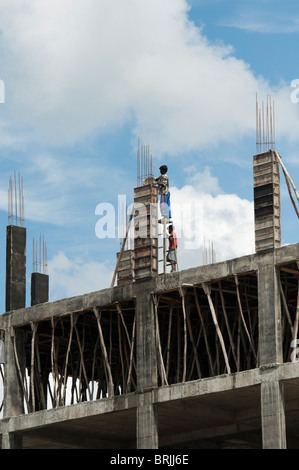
(84, 79)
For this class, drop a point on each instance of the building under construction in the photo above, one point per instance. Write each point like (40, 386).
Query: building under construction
(203, 358)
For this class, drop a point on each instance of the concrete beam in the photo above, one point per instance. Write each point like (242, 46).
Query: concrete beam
(242, 265)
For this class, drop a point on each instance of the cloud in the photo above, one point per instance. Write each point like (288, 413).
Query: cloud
(203, 214)
(257, 19)
(73, 276)
(203, 219)
(76, 68)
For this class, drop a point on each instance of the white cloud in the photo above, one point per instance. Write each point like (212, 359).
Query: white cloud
(72, 68)
(257, 19)
(225, 220)
(71, 277)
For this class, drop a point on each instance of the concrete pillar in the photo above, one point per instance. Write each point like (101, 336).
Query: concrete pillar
(125, 271)
(147, 428)
(147, 425)
(15, 267)
(15, 299)
(11, 441)
(273, 415)
(145, 232)
(266, 184)
(13, 392)
(269, 310)
(39, 288)
(268, 237)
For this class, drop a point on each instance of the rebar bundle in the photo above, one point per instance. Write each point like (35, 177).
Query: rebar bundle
(144, 163)
(16, 201)
(265, 125)
(39, 255)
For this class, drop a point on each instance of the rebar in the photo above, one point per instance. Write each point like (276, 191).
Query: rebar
(265, 125)
(16, 201)
(39, 255)
(144, 163)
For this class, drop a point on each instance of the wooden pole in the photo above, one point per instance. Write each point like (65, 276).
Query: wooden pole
(242, 316)
(23, 382)
(182, 294)
(163, 372)
(168, 339)
(227, 322)
(110, 385)
(122, 249)
(288, 179)
(32, 371)
(204, 332)
(207, 290)
(131, 356)
(193, 343)
(67, 356)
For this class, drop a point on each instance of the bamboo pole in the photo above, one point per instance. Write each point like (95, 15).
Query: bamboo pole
(104, 351)
(32, 369)
(42, 392)
(193, 343)
(212, 372)
(238, 342)
(168, 339)
(163, 372)
(287, 174)
(121, 354)
(126, 330)
(179, 347)
(286, 308)
(131, 356)
(227, 323)
(82, 363)
(53, 361)
(122, 248)
(207, 290)
(193, 359)
(67, 356)
(182, 294)
(242, 316)
(23, 382)
(297, 313)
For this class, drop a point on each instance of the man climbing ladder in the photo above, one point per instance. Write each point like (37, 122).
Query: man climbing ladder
(173, 244)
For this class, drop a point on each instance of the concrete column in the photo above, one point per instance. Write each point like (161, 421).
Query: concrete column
(13, 392)
(146, 340)
(147, 425)
(39, 288)
(145, 232)
(15, 299)
(147, 428)
(269, 308)
(11, 441)
(266, 184)
(273, 415)
(15, 267)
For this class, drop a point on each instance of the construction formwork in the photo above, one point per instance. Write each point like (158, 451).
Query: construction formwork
(201, 358)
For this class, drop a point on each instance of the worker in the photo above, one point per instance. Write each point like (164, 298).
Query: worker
(173, 244)
(163, 184)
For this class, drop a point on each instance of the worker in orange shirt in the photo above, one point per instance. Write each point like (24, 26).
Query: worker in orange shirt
(173, 244)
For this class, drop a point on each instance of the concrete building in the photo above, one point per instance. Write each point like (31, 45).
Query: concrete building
(197, 359)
